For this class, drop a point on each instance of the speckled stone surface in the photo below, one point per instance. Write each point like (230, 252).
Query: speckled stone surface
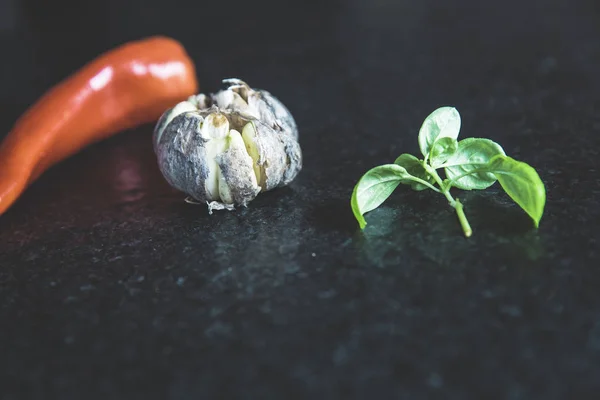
(111, 287)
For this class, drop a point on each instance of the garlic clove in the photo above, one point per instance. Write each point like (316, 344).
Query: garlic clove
(237, 183)
(214, 131)
(223, 99)
(272, 112)
(251, 144)
(224, 191)
(200, 101)
(215, 126)
(239, 86)
(168, 116)
(181, 155)
(229, 100)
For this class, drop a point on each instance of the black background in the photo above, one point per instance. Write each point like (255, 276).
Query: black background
(112, 287)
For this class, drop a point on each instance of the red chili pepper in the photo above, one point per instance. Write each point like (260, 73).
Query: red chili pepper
(122, 88)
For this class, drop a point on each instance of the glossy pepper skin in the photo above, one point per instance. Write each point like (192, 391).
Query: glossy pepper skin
(125, 87)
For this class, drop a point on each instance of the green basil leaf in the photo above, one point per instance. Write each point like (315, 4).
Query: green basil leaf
(469, 156)
(443, 122)
(522, 183)
(442, 150)
(374, 188)
(414, 167)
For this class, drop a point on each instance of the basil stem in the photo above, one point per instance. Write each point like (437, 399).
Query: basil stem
(455, 203)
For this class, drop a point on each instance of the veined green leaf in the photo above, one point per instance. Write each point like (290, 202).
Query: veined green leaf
(522, 183)
(375, 187)
(443, 122)
(470, 155)
(414, 167)
(442, 150)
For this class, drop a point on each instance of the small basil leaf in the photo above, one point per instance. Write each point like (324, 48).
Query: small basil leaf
(442, 150)
(522, 183)
(374, 188)
(443, 122)
(414, 167)
(469, 156)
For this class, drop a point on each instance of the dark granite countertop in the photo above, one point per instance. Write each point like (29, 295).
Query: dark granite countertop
(111, 287)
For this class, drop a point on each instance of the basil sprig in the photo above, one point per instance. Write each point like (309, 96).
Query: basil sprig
(472, 163)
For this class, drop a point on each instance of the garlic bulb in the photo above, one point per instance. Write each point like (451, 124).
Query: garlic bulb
(225, 148)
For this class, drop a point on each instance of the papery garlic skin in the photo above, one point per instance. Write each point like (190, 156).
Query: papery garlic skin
(223, 149)
(168, 116)
(237, 183)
